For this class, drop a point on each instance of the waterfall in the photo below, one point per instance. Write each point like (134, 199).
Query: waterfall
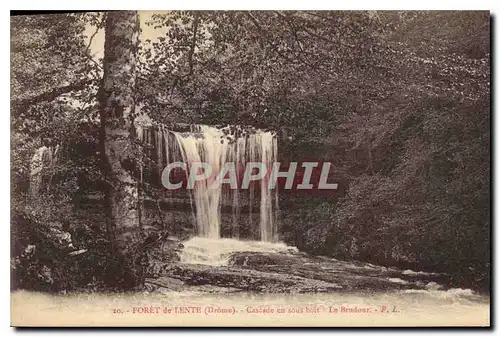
(41, 170)
(267, 231)
(218, 146)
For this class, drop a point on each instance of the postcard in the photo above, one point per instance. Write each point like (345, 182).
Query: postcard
(250, 169)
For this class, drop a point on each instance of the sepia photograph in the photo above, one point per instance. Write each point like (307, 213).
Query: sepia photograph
(260, 168)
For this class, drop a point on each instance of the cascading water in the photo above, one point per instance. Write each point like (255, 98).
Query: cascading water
(218, 146)
(43, 161)
(227, 264)
(210, 148)
(216, 252)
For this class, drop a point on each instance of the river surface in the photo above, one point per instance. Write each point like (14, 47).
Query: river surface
(229, 282)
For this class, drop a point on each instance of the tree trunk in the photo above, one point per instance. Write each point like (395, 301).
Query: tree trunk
(117, 112)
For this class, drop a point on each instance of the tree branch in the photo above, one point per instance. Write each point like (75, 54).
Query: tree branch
(304, 60)
(48, 96)
(264, 33)
(178, 78)
(92, 38)
(87, 50)
(290, 24)
(311, 33)
(193, 43)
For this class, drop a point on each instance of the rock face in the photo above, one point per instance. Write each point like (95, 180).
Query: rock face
(249, 280)
(160, 254)
(290, 273)
(350, 276)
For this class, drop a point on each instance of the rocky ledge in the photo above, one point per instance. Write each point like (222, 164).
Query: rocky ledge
(288, 273)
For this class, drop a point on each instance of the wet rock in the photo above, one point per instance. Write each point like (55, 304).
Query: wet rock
(291, 273)
(172, 243)
(248, 280)
(249, 259)
(351, 275)
(165, 282)
(160, 254)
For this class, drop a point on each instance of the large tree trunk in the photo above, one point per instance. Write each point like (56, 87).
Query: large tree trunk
(117, 110)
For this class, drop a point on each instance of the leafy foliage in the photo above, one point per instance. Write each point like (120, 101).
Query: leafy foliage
(398, 101)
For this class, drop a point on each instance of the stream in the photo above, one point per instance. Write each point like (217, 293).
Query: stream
(230, 282)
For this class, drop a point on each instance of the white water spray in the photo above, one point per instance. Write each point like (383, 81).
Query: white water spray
(216, 252)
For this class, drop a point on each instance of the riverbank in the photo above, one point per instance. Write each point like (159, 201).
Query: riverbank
(229, 282)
